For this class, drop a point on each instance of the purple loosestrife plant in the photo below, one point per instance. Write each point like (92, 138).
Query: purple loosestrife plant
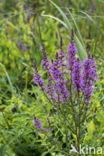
(62, 72)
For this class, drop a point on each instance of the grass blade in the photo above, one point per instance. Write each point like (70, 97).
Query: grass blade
(89, 17)
(9, 80)
(81, 50)
(76, 26)
(63, 15)
(55, 18)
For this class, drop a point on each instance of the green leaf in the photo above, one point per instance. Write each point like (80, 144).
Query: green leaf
(89, 17)
(91, 128)
(79, 34)
(57, 19)
(63, 15)
(81, 49)
(9, 80)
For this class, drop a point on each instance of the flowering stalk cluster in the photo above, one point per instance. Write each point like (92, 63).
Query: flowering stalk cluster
(83, 74)
(69, 82)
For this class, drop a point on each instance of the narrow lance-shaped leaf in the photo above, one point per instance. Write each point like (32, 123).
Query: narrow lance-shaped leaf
(79, 34)
(81, 49)
(9, 80)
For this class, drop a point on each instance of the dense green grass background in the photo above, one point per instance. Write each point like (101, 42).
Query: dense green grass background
(20, 99)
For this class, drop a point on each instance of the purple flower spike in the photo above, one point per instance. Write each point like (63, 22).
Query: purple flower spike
(89, 77)
(45, 130)
(50, 89)
(26, 9)
(28, 19)
(58, 78)
(61, 55)
(76, 75)
(37, 78)
(71, 53)
(23, 48)
(39, 124)
(20, 3)
(20, 44)
(45, 62)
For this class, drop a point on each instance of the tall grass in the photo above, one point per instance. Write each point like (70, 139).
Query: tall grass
(66, 23)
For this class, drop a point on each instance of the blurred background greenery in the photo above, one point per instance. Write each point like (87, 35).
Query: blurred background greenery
(24, 25)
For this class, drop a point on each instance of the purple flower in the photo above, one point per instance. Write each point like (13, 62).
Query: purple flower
(49, 129)
(39, 124)
(89, 77)
(76, 75)
(45, 130)
(37, 78)
(62, 58)
(26, 9)
(20, 3)
(45, 62)
(82, 74)
(23, 48)
(20, 44)
(59, 79)
(71, 53)
(28, 19)
(50, 89)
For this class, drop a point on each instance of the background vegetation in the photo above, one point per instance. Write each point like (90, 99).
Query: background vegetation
(24, 25)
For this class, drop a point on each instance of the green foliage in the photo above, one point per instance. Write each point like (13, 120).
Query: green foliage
(67, 24)
(20, 99)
